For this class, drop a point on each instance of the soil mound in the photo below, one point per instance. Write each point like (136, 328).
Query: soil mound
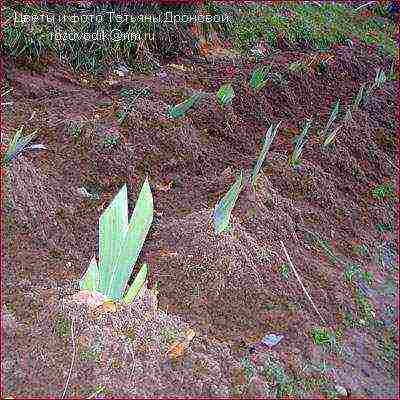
(227, 283)
(126, 353)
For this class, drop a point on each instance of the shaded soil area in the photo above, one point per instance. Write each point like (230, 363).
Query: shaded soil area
(233, 289)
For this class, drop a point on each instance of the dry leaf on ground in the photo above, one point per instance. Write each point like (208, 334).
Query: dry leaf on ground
(177, 349)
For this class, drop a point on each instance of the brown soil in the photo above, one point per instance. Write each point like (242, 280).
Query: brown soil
(229, 289)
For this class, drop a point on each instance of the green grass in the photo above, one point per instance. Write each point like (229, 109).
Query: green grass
(298, 67)
(99, 389)
(10, 308)
(324, 245)
(62, 326)
(304, 24)
(351, 272)
(300, 140)
(361, 250)
(385, 226)
(93, 355)
(111, 141)
(317, 27)
(18, 41)
(349, 320)
(90, 56)
(330, 341)
(75, 130)
(368, 277)
(384, 191)
(365, 309)
(248, 368)
(284, 271)
(280, 384)
(320, 336)
(275, 375)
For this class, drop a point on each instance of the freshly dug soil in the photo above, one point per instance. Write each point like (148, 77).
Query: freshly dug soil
(230, 289)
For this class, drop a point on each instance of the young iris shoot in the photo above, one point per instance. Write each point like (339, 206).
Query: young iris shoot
(180, 109)
(392, 75)
(3, 94)
(331, 136)
(223, 209)
(258, 78)
(380, 79)
(359, 98)
(258, 54)
(225, 94)
(300, 142)
(20, 144)
(269, 138)
(348, 116)
(120, 243)
(334, 113)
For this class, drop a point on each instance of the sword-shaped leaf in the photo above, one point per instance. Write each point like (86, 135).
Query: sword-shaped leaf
(137, 284)
(113, 225)
(225, 94)
(90, 281)
(359, 97)
(8, 156)
(258, 80)
(331, 136)
(334, 113)
(295, 157)
(17, 144)
(348, 116)
(380, 77)
(269, 137)
(36, 146)
(224, 207)
(180, 109)
(138, 228)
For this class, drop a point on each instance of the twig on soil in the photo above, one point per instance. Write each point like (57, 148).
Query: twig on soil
(73, 359)
(301, 284)
(364, 5)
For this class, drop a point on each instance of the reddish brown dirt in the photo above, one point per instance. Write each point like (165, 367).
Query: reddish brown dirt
(228, 289)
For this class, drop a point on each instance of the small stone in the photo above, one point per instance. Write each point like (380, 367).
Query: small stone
(122, 69)
(83, 192)
(162, 75)
(272, 339)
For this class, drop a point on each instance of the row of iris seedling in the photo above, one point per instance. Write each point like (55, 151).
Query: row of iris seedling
(121, 239)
